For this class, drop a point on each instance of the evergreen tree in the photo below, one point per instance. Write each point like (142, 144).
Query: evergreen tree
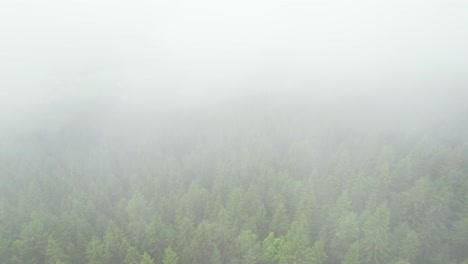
(376, 236)
(95, 252)
(295, 246)
(146, 259)
(270, 247)
(55, 253)
(346, 233)
(406, 243)
(248, 247)
(170, 257)
(132, 257)
(318, 254)
(280, 222)
(353, 255)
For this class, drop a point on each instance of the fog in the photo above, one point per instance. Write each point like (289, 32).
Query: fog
(202, 131)
(93, 71)
(198, 53)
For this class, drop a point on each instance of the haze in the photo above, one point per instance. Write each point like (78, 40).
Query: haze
(200, 52)
(233, 131)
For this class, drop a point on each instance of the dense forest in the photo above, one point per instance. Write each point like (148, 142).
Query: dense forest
(252, 184)
(233, 132)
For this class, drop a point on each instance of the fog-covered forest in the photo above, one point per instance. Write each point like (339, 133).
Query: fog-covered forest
(248, 132)
(264, 184)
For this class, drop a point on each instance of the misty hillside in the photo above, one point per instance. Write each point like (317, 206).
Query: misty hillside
(233, 132)
(251, 184)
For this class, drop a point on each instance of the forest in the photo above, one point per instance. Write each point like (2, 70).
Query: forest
(233, 132)
(259, 184)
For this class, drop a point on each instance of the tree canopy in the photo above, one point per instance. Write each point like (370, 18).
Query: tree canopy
(297, 190)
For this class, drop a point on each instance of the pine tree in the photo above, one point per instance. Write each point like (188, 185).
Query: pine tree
(270, 247)
(352, 256)
(115, 245)
(132, 257)
(146, 259)
(295, 246)
(318, 254)
(170, 257)
(95, 252)
(376, 236)
(345, 234)
(55, 252)
(406, 243)
(279, 222)
(248, 248)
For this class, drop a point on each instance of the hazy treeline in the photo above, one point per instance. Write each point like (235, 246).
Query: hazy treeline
(258, 182)
(233, 132)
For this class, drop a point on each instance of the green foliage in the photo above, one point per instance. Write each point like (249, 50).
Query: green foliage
(301, 193)
(31, 247)
(376, 239)
(55, 253)
(95, 252)
(353, 255)
(318, 254)
(146, 259)
(346, 233)
(280, 222)
(296, 244)
(216, 257)
(270, 246)
(133, 256)
(459, 239)
(115, 245)
(248, 247)
(406, 243)
(170, 257)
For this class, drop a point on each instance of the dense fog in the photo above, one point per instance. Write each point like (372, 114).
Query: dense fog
(233, 132)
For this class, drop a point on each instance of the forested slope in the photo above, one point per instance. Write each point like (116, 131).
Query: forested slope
(253, 186)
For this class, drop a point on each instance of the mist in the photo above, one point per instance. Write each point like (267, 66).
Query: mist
(233, 132)
(180, 53)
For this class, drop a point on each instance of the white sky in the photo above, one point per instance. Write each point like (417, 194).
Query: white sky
(181, 52)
